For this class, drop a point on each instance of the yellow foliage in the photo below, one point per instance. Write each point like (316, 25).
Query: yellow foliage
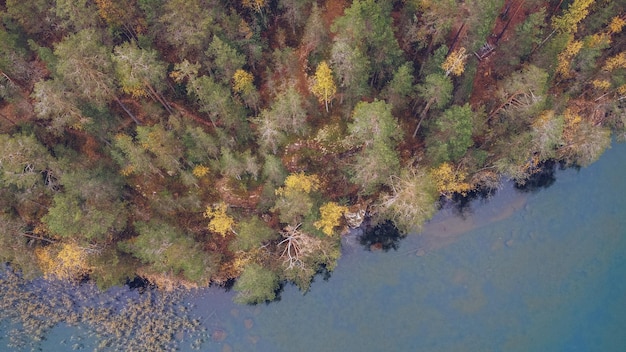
(324, 87)
(243, 81)
(110, 12)
(331, 214)
(566, 56)
(616, 25)
(256, 5)
(244, 29)
(63, 261)
(299, 182)
(617, 61)
(455, 62)
(622, 89)
(200, 171)
(598, 40)
(137, 91)
(572, 121)
(545, 117)
(575, 13)
(602, 84)
(128, 170)
(220, 222)
(448, 180)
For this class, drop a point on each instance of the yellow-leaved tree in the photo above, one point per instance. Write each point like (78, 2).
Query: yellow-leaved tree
(449, 181)
(566, 56)
(617, 61)
(220, 222)
(576, 12)
(299, 182)
(455, 62)
(63, 261)
(331, 214)
(324, 87)
(243, 81)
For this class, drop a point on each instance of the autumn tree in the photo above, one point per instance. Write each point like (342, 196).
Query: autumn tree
(64, 261)
(219, 222)
(324, 87)
(243, 84)
(331, 214)
(450, 179)
(455, 62)
(576, 12)
(294, 201)
(123, 16)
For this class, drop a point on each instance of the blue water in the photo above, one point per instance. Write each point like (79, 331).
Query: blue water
(539, 271)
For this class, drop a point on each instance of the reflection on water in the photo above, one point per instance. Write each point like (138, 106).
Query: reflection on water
(534, 271)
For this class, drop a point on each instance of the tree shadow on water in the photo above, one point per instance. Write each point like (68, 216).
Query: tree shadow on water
(383, 236)
(541, 179)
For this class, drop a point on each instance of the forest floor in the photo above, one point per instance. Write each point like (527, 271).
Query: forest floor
(485, 81)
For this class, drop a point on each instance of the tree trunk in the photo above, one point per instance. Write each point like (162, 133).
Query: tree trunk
(423, 114)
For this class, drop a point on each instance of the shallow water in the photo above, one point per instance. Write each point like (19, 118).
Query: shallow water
(541, 271)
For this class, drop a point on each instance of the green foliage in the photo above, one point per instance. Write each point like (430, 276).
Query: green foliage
(15, 248)
(168, 250)
(225, 59)
(451, 134)
(367, 25)
(251, 234)
(84, 65)
(376, 131)
(373, 123)
(111, 268)
(256, 285)
(89, 208)
(140, 72)
(23, 160)
(437, 87)
(286, 116)
(400, 90)
(411, 202)
(187, 26)
(352, 69)
(273, 170)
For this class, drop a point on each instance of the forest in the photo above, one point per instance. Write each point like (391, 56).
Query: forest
(195, 142)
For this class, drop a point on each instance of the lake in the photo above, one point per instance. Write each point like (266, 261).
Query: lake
(520, 271)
